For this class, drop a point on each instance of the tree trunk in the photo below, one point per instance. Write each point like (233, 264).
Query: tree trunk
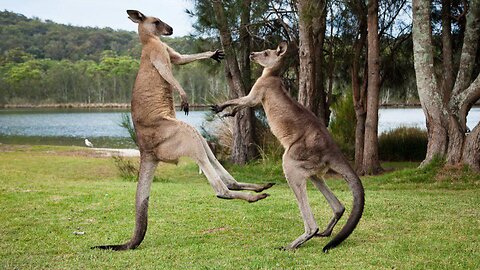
(331, 68)
(471, 155)
(447, 51)
(311, 27)
(319, 27)
(464, 93)
(371, 164)
(243, 148)
(358, 88)
(306, 51)
(428, 91)
(245, 48)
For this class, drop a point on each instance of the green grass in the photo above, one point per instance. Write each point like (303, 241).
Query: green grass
(413, 219)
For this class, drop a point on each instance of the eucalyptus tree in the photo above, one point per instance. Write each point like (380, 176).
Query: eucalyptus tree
(445, 112)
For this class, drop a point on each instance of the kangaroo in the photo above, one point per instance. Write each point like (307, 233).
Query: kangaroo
(309, 149)
(160, 136)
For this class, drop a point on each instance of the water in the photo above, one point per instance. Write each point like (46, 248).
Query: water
(390, 118)
(72, 126)
(101, 126)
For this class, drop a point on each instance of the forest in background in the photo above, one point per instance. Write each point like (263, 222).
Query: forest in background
(42, 62)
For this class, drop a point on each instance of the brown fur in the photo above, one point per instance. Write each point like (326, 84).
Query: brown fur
(309, 149)
(160, 136)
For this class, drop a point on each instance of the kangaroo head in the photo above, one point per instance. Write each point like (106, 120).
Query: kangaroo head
(149, 25)
(270, 58)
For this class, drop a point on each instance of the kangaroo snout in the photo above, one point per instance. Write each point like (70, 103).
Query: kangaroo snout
(168, 30)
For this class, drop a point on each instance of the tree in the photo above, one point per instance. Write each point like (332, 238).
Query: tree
(311, 27)
(359, 88)
(244, 133)
(369, 70)
(446, 114)
(371, 164)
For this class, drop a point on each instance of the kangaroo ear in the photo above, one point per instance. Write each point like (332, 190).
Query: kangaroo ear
(136, 16)
(282, 48)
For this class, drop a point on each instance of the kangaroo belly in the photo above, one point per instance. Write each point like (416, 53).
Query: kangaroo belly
(152, 98)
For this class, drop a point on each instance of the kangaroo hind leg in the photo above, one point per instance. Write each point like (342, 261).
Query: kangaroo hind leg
(147, 170)
(188, 142)
(297, 182)
(228, 179)
(220, 188)
(335, 204)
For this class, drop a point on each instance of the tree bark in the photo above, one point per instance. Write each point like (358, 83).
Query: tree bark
(464, 94)
(243, 148)
(319, 28)
(447, 51)
(306, 50)
(371, 163)
(311, 27)
(471, 155)
(428, 91)
(359, 89)
(245, 48)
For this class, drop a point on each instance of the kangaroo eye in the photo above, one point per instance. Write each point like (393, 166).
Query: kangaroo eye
(157, 23)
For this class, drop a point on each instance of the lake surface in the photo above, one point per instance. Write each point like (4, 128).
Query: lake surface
(101, 126)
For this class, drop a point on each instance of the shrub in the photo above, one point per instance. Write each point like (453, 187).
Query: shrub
(127, 169)
(403, 144)
(126, 123)
(342, 124)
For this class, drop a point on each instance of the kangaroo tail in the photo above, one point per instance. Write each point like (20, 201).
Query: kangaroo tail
(358, 203)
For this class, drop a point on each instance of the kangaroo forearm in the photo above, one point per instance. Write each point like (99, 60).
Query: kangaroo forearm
(182, 59)
(240, 103)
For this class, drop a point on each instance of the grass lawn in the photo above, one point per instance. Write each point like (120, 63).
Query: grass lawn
(413, 219)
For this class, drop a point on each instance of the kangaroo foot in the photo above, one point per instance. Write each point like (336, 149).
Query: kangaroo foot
(325, 233)
(247, 186)
(243, 196)
(264, 186)
(112, 247)
(258, 197)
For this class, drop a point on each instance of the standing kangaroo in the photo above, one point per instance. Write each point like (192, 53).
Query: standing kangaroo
(309, 149)
(160, 136)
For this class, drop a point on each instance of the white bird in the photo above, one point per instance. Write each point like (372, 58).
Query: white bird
(88, 143)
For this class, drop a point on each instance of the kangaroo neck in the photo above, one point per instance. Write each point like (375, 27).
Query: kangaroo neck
(269, 72)
(146, 37)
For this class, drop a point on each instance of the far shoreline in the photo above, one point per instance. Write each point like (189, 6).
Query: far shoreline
(80, 106)
(127, 106)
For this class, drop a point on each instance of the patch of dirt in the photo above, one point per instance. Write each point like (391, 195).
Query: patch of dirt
(86, 152)
(13, 147)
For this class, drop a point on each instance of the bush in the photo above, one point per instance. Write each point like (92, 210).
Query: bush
(126, 123)
(127, 169)
(342, 124)
(403, 144)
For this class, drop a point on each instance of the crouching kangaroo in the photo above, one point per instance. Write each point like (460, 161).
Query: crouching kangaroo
(160, 136)
(309, 149)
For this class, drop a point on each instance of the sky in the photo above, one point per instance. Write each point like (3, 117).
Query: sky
(105, 13)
